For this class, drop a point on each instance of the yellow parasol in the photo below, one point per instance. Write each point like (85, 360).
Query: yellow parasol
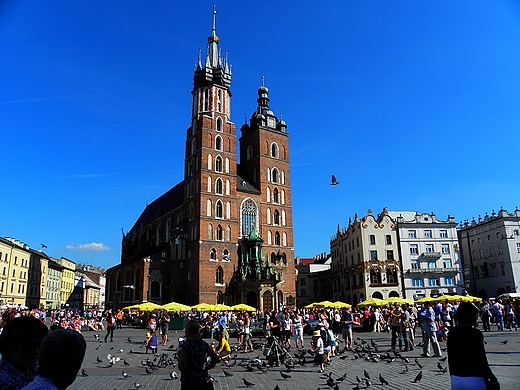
(174, 306)
(341, 305)
(147, 306)
(243, 307)
(425, 299)
(204, 307)
(399, 300)
(372, 302)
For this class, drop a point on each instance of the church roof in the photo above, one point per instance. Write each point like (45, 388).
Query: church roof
(167, 202)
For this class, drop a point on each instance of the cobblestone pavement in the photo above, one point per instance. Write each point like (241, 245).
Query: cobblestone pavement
(503, 358)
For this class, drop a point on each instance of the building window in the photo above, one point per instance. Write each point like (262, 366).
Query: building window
(480, 254)
(219, 209)
(226, 256)
(483, 271)
(518, 247)
(249, 153)
(391, 276)
(228, 233)
(498, 235)
(417, 282)
(219, 124)
(220, 233)
(447, 263)
(415, 264)
(213, 254)
(502, 269)
(275, 196)
(515, 232)
(206, 99)
(274, 150)
(414, 249)
(219, 276)
(219, 101)
(432, 264)
(218, 186)
(277, 238)
(429, 248)
(373, 255)
(433, 282)
(494, 270)
(443, 234)
(210, 232)
(218, 142)
(390, 255)
(427, 234)
(375, 276)
(445, 248)
(489, 237)
(412, 234)
(372, 239)
(276, 217)
(218, 164)
(274, 175)
(388, 239)
(490, 251)
(449, 280)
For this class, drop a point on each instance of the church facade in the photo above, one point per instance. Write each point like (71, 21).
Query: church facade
(224, 233)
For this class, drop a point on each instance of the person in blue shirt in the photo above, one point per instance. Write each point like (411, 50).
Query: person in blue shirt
(152, 343)
(347, 321)
(429, 331)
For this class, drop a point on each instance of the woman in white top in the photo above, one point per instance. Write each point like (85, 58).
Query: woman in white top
(287, 323)
(298, 330)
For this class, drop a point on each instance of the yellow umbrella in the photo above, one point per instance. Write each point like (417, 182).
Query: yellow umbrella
(425, 299)
(243, 307)
(341, 305)
(147, 306)
(399, 300)
(174, 306)
(324, 304)
(203, 307)
(469, 298)
(221, 306)
(309, 306)
(372, 302)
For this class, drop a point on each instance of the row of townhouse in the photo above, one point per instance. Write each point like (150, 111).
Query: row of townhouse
(32, 279)
(413, 255)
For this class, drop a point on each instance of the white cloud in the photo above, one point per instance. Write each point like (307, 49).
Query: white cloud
(92, 247)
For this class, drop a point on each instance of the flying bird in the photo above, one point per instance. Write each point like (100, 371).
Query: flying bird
(334, 182)
(418, 377)
(247, 383)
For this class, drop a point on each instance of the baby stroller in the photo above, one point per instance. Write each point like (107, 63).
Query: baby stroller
(275, 353)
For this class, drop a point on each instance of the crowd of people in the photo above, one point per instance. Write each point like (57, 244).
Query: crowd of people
(26, 341)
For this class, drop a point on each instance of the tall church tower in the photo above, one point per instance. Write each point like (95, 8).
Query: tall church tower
(210, 175)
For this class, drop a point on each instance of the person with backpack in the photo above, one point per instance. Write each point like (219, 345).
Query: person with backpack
(327, 342)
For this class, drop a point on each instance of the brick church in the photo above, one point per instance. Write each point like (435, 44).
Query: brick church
(224, 234)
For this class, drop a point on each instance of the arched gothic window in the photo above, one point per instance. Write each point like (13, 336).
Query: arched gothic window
(276, 217)
(218, 142)
(274, 175)
(276, 198)
(219, 209)
(219, 276)
(218, 164)
(218, 186)
(206, 99)
(277, 238)
(213, 254)
(248, 212)
(219, 233)
(274, 150)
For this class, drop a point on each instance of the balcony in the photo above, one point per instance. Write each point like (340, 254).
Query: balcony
(431, 255)
(423, 271)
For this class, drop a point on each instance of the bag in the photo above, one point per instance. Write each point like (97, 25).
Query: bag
(325, 337)
(408, 324)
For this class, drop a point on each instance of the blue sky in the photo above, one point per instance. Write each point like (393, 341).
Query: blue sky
(413, 105)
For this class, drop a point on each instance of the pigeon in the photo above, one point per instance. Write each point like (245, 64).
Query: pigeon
(247, 383)
(289, 365)
(367, 383)
(96, 336)
(418, 364)
(99, 360)
(173, 375)
(406, 369)
(356, 387)
(285, 376)
(121, 350)
(137, 385)
(125, 375)
(358, 379)
(83, 372)
(276, 387)
(443, 359)
(503, 342)
(148, 371)
(227, 373)
(418, 377)
(330, 382)
(383, 380)
(440, 366)
(126, 363)
(334, 182)
(129, 339)
(99, 346)
(341, 378)
(444, 370)
(365, 373)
